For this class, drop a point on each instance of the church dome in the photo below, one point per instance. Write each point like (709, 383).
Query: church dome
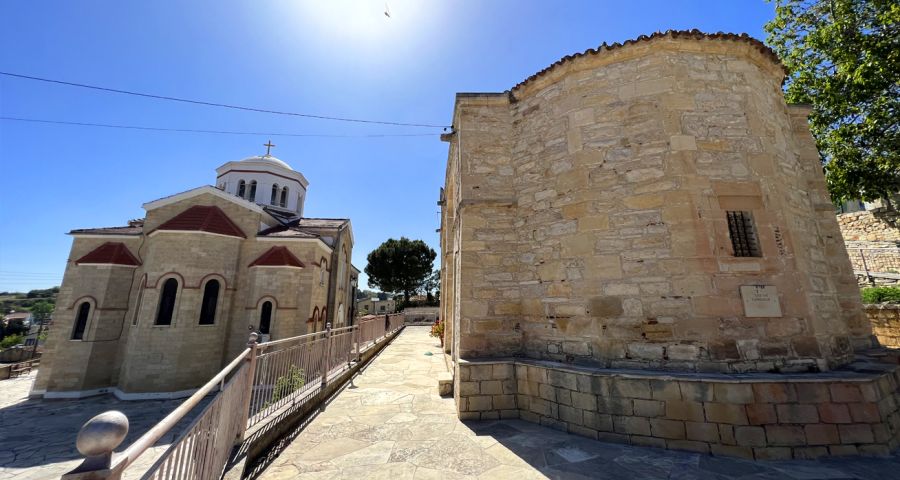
(268, 159)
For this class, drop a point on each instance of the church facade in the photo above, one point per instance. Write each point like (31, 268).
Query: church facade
(155, 308)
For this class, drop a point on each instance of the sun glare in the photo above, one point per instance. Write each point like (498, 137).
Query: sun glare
(366, 23)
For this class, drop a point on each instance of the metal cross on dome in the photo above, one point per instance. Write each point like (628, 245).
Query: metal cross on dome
(268, 147)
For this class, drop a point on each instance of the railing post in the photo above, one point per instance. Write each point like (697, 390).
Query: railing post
(96, 440)
(357, 331)
(325, 362)
(248, 394)
(869, 277)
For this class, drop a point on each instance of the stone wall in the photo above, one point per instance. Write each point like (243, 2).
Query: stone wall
(878, 225)
(885, 320)
(585, 217)
(758, 416)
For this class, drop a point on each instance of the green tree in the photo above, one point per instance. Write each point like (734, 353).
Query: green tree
(12, 340)
(843, 58)
(400, 266)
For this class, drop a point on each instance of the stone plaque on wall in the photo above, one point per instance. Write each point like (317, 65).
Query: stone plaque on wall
(761, 301)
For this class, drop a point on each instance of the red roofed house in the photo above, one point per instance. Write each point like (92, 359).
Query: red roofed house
(154, 308)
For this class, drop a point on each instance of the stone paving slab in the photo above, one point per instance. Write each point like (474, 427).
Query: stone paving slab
(391, 424)
(37, 437)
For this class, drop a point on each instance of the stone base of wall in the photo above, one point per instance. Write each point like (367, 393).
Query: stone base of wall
(758, 416)
(885, 320)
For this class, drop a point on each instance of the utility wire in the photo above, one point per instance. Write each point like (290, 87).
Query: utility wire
(218, 132)
(221, 105)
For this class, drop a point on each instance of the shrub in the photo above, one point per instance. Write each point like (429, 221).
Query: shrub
(437, 330)
(881, 295)
(288, 384)
(12, 341)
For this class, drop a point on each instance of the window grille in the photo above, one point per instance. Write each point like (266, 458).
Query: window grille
(743, 234)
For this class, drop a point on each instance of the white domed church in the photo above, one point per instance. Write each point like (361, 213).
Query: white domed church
(154, 308)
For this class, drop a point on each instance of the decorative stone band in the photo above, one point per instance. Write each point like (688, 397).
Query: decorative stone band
(761, 416)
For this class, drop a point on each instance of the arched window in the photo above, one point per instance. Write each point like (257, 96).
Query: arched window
(300, 203)
(322, 272)
(167, 302)
(81, 319)
(265, 318)
(208, 306)
(274, 194)
(242, 188)
(284, 195)
(252, 196)
(323, 315)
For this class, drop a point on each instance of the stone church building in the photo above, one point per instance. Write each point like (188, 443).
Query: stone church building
(156, 307)
(649, 223)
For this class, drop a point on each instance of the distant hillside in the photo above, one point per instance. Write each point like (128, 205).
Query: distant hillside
(19, 301)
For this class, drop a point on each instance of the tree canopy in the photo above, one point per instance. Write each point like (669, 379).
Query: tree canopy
(843, 58)
(400, 266)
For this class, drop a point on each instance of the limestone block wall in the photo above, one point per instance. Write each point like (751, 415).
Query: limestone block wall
(592, 216)
(879, 225)
(765, 417)
(885, 320)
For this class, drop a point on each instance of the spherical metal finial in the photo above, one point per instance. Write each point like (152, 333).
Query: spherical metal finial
(253, 337)
(102, 434)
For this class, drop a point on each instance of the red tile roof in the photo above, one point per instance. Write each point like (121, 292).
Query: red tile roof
(203, 218)
(114, 253)
(278, 257)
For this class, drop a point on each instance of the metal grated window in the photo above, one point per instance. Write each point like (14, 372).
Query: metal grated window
(743, 234)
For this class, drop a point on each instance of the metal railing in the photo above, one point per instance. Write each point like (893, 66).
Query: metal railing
(872, 263)
(259, 384)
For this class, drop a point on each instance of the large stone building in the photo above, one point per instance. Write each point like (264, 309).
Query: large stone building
(156, 307)
(653, 207)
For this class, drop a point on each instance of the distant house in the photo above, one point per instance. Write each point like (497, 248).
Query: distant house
(21, 318)
(374, 306)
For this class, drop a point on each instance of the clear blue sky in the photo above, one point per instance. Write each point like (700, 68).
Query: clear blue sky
(331, 57)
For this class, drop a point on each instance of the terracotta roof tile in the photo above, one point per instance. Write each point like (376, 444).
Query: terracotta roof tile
(133, 229)
(115, 253)
(203, 218)
(691, 34)
(278, 257)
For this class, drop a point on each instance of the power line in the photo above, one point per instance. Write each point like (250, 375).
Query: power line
(221, 105)
(218, 132)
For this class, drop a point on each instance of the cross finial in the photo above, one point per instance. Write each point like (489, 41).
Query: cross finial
(268, 147)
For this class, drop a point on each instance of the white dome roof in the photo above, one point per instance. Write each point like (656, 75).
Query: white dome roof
(268, 159)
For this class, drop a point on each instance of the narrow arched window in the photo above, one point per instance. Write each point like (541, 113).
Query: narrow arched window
(167, 302)
(284, 196)
(274, 194)
(252, 197)
(242, 188)
(322, 273)
(265, 318)
(208, 306)
(81, 321)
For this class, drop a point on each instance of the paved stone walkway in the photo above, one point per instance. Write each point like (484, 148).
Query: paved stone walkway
(37, 437)
(391, 424)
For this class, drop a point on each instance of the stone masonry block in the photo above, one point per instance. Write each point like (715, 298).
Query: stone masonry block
(703, 432)
(785, 435)
(648, 441)
(796, 413)
(469, 388)
(480, 372)
(480, 403)
(504, 402)
(725, 413)
(648, 408)
(564, 396)
(547, 392)
(631, 425)
(502, 371)
(775, 393)
(834, 413)
(562, 379)
(688, 445)
(491, 387)
(821, 434)
(696, 391)
(665, 390)
(685, 410)
(773, 453)
(615, 405)
(864, 412)
(733, 393)
(598, 421)
(732, 451)
(631, 388)
(812, 393)
(845, 393)
(572, 416)
(856, 433)
(672, 429)
(584, 401)
(761, 414)
(750, 436)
